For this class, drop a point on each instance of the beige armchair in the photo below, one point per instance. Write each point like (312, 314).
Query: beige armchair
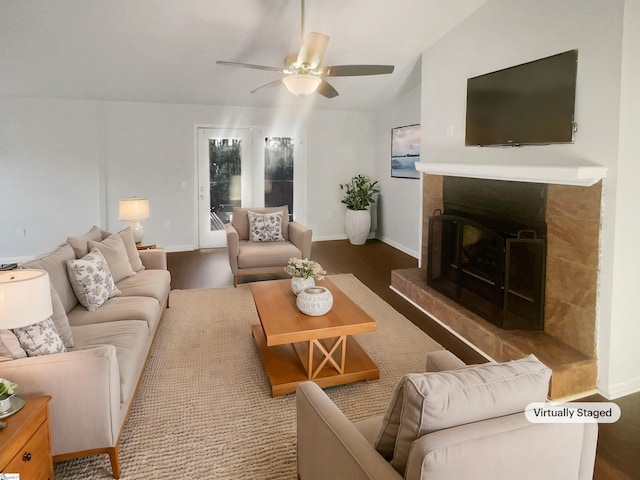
(258, 258)
(471, 425)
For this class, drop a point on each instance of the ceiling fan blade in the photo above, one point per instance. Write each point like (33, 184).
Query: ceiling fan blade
(326, 90)
(312, 50)
(249, 65)
(356, 70)
(268, 85)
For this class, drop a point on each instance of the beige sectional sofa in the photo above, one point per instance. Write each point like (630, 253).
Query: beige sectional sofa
(93, 382)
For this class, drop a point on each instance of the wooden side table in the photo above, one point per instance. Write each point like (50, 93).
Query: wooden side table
(25, 443)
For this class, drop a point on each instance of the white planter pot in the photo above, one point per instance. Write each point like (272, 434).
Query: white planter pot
(314, 301)
(298, 284)
(357, 223)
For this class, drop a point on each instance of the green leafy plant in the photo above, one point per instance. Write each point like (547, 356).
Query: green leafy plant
(297, 267)
(359, 192)
(7, 388)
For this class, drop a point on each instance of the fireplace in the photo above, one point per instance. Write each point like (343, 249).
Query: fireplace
(487, 249)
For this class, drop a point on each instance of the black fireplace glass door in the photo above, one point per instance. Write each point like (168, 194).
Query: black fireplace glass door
(525, 261)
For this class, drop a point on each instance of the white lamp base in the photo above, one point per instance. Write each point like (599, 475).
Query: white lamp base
(137, 229)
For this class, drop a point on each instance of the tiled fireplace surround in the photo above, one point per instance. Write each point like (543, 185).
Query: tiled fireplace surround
(567, 344)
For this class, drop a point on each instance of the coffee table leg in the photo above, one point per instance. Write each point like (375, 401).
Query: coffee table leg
(328, 356)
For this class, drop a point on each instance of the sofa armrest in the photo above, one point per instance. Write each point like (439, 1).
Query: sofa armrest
(233, 240)
(329, 445)
(300, 235)
(153, 258)
(84, 385)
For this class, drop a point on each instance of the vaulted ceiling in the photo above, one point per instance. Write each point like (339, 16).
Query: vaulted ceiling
(165, 50)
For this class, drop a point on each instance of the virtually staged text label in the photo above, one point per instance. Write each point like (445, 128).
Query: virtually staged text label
(574, 412)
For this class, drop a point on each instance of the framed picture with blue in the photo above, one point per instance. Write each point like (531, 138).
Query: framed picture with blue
(405, 151)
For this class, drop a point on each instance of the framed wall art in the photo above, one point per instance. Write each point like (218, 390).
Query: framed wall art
(405, 151)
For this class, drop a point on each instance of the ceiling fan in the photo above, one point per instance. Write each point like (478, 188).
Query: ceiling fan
(303, 71)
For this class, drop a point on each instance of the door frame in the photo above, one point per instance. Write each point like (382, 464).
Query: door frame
(258, 133)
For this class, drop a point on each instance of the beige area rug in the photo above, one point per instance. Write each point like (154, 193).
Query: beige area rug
(204, 408)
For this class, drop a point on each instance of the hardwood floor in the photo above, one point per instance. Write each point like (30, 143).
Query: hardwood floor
(618, 443)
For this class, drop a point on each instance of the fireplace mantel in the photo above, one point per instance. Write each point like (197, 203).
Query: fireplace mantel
(540, 164)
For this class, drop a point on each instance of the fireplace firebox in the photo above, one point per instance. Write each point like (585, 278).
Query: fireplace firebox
(487, 250)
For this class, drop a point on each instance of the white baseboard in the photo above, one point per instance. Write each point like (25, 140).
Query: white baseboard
(179, 248)
(620, 389)
(400, 247)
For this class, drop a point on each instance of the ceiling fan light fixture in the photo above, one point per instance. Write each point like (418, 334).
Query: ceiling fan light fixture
(302, 84)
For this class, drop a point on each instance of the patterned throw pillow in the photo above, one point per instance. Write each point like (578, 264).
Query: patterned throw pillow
(91, 280)
(40, 339)
(265, 227)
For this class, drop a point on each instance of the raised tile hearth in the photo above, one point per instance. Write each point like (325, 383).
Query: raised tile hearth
(574, 372)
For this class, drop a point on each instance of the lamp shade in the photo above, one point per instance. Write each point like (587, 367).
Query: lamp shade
(25, 298)
(133, 209)
(302, 84)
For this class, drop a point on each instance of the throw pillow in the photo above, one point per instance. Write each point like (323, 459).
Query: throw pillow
(10, 346)
(132, 251)
(80, 243)
(115, 253)
(40, 339)
(265, 227)
(438, 400)
(91, 280)
(60, 320)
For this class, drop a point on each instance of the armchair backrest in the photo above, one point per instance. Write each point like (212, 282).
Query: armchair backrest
(240, 220)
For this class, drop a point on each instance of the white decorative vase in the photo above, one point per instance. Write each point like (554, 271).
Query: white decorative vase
(357, 223)
(298, 284)
(5, 404)
(314, 301)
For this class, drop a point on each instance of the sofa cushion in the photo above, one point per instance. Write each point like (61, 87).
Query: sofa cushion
(55, 263)
(240, 220)
(116, 309)
(265, 227)
(80, 243)
(10, 346)
(115, 253)
(438, 400)
(266, 254)
(91, 280)
(146, 283)
(40, 339)
(60, 320)
(129, 337)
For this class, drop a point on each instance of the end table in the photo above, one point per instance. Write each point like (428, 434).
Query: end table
(25, 443)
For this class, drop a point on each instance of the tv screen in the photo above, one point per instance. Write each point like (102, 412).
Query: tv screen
(527, 104)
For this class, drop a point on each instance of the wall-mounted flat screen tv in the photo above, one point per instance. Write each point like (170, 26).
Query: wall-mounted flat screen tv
(527, 104)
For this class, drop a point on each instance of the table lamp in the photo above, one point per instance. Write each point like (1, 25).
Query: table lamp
(135, 209)
(25, 298)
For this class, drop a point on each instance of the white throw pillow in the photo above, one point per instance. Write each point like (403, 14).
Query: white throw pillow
(40, 339)
(265, 227)
(91, 280)
(435, 401)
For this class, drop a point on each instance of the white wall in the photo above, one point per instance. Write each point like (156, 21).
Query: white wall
(65, 163)
(399, 204)
(51, 156)
(507, 32)
(618, 340)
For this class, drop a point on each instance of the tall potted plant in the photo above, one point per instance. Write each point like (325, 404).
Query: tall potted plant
(358, 196)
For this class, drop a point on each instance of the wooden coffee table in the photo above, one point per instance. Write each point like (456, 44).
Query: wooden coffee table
(296, 347)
